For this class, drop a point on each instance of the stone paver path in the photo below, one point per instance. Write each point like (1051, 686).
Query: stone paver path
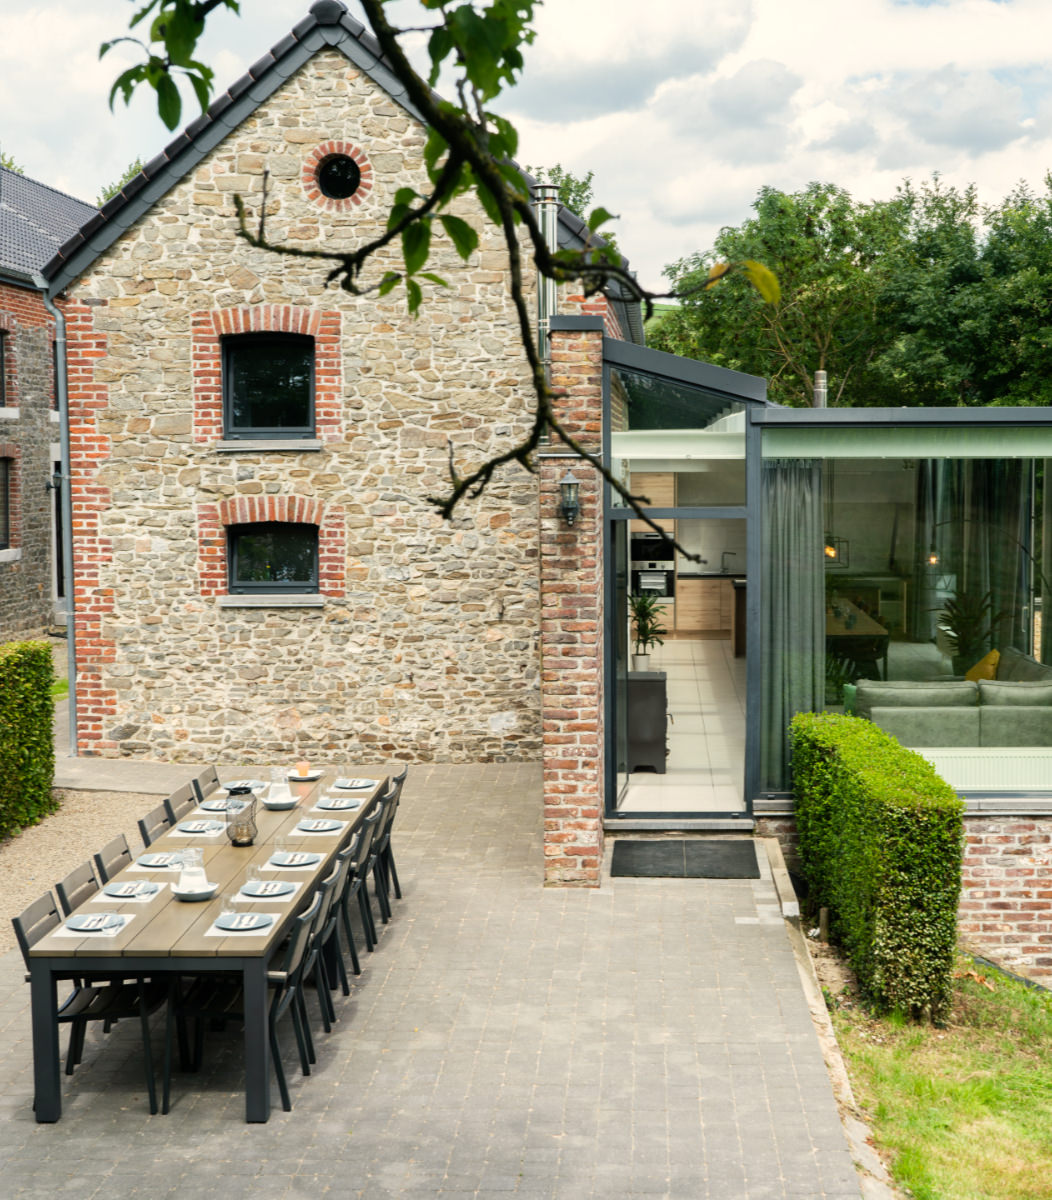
(649, 1038)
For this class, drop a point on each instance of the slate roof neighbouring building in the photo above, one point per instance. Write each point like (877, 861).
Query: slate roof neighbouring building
(35, 220)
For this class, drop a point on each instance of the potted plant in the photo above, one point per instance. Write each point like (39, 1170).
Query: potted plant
(647, 612)
(969, 621)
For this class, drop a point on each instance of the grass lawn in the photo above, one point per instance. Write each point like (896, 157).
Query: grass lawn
(963, 1112)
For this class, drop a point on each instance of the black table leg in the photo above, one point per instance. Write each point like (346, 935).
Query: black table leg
(47, 1094)
(257, 1043)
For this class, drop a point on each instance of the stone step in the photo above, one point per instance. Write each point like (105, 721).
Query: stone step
(616, 825)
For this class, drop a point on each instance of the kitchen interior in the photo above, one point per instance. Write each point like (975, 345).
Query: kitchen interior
(703, 656)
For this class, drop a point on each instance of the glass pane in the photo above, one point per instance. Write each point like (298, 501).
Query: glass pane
(915, 589)
(621, 663)
(275, 555)
(5, 503)
(269, 384)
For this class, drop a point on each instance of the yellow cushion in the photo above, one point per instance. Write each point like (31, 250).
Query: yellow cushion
(985, 668)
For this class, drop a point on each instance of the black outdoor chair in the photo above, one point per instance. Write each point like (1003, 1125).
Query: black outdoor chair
(364, 865)
(206, 783)
(221, 998)
(385, 853)
(154, 824)
(113, 857)
(107, 1002)
(78, 886)
(181, 802)
(314, 965)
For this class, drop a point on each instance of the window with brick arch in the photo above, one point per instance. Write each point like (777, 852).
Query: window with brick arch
(272, 557)
(268, 386)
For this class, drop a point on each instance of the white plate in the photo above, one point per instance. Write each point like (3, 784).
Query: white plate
(308, 778)
(355, 784)
(255, 784)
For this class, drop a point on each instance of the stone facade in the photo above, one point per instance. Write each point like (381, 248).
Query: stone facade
(424, 642)
(26, 436)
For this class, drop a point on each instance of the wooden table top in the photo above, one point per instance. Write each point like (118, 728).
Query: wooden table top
(168, 927)
(862, 624)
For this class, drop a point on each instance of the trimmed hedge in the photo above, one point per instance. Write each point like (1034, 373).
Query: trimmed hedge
(27, 743)
(881, 842)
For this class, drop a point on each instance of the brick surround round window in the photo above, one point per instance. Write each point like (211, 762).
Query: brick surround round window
(337, 176)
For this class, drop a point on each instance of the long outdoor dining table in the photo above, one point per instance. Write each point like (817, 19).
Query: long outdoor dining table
(170, 937)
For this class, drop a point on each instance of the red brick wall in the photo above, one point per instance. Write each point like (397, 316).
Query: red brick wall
(1006, 893)
(595, 306)
(89, 449)
(571, 627)
(208, 327)
(213, 519)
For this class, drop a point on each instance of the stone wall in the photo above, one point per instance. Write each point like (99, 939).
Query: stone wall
(428, 648)
(26, 434)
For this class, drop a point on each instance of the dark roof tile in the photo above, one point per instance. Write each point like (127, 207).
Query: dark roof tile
(156, 164)
(261, 65)
(35, 220)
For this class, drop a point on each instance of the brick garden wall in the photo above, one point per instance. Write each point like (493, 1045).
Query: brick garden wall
(25, 439)
(1005, 912)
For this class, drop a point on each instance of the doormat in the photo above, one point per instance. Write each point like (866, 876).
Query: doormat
(660, 858)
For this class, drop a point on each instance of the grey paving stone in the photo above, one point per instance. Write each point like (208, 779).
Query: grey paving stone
(504, 1039)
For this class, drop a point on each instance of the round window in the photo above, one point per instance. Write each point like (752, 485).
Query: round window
(339, 176)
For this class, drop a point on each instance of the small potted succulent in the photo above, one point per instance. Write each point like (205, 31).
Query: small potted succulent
(649, 630)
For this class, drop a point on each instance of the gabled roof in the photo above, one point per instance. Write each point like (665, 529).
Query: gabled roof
(35, 220)
(328, 24)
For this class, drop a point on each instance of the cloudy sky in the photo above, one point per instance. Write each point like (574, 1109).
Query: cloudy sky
(682, 108)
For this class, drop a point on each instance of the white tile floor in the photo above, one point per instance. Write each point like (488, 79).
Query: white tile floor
(706, 738)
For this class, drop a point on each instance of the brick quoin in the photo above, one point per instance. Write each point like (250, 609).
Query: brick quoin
(209, 327)
(89, 449)
(214, 519)
(571, 627)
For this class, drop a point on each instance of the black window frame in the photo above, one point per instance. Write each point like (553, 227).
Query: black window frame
(242, 341)
(3, 368)
(238, 587)
(5, 503)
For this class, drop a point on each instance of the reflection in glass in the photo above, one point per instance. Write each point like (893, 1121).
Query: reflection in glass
(268, 384)
(274, 557)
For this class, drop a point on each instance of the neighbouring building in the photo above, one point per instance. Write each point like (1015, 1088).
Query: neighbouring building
(34, 222)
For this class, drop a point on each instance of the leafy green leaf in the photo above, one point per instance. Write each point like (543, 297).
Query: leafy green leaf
(169, 102)
(461, 234)
(388, 284)
(416, 244)
(414, 295)
(488, 202)
(598, 217)
(405, 195)
(434, 278)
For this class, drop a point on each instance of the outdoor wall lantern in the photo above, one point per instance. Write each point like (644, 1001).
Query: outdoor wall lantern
(569, 504)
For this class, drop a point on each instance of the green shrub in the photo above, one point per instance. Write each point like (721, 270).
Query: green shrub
(881, 841)
(27, 744)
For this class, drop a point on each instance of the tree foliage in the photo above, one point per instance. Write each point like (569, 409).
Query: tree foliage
(470, 149)
(7, 161)
(111, 189)
(925, 299)
(832, 257)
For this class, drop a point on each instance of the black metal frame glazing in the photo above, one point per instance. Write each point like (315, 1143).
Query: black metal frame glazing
(5, 503)
(244, 343)
(242, 587)
(739, 388)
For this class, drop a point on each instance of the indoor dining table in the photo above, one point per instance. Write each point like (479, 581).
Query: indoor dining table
(170, 937)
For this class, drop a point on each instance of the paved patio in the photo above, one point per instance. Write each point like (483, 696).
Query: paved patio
(649, 1038)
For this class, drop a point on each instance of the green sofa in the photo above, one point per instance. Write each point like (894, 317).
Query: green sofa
(1015, 709)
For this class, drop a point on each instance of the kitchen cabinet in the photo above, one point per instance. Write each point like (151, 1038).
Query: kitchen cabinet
(660, 489)
(702, 605)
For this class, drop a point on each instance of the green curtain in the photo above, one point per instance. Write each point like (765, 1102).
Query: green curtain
(793, 641)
